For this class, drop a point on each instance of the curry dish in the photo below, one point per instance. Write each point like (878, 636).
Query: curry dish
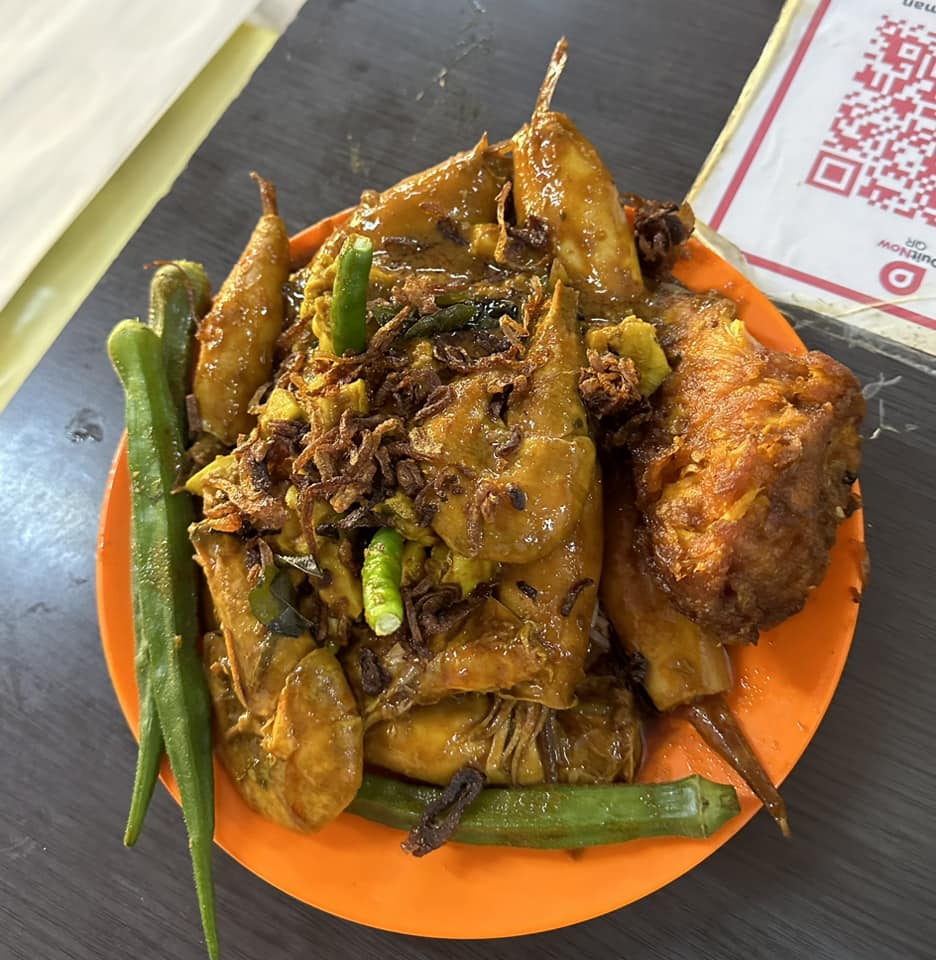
(518, 511)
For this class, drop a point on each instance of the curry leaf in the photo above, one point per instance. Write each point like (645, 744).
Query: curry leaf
(272, 602)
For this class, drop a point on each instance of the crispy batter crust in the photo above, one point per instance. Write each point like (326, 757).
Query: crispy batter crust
(744, 470)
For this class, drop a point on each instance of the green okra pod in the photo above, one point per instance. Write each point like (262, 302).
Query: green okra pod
(561, 816)
(165, 592)
(179, 296)
(151, 745)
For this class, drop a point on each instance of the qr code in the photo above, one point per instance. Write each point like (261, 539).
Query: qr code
(881, 145)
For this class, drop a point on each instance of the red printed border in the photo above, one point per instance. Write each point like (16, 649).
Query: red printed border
(734, 185)
(838, 290)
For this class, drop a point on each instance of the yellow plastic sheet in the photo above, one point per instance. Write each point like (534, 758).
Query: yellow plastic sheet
(57, 287)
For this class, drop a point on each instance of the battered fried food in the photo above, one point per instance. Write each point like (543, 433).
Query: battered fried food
(744, 470)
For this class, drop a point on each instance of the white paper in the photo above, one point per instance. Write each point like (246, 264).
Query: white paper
(81, 83)
(826, 176)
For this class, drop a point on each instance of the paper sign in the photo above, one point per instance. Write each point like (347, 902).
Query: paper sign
(825, 176)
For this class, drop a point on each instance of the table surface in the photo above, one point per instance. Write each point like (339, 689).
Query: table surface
(357, 94)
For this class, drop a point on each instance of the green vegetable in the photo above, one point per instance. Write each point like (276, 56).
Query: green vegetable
(273, 603)
(484, 314)
(383, 313)
(561, 816)
(179, 296)
(381, 577)
(445, 320)
(150, 750)
(164, 574)
(349, 296)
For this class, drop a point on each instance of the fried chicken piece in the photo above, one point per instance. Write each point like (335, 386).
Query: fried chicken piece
(744, 470)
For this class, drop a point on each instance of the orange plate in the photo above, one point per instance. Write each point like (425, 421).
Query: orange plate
(356, 870)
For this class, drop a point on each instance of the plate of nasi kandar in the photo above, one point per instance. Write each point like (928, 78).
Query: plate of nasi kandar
(482, 558)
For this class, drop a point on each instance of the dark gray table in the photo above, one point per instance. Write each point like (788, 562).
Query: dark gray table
(357, 94)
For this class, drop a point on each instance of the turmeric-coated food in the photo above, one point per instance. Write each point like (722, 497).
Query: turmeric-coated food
(482, 491)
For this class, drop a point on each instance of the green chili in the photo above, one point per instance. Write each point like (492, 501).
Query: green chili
(381, 577)
(179, 296)
(561, 816)
(349, 296)
(165, 591)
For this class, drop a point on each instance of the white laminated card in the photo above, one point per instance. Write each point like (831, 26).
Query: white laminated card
(825, 175)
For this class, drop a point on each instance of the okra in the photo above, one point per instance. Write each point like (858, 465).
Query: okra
(150, 750)
(165, 591)
(561, 816)
(179, 296)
